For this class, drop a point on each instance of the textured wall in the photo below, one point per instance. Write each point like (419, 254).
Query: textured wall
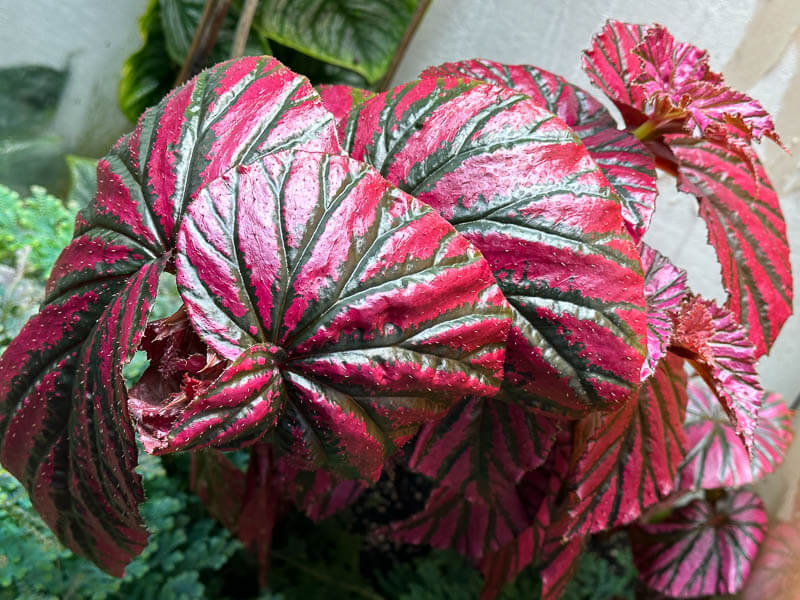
(92, 38)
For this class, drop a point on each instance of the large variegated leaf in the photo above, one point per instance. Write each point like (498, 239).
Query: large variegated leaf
(776, 572)
(747, 230)
(717, 457)
(361, 36)
(513, 179)
(630, 459)
(64, 427)
(626, 163)
(319, 494)
(704, 548)
(719, 350)
(352, 313)
(664, 290)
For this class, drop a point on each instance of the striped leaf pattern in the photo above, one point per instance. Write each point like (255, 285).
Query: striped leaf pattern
(624, 160)
(512, 178)
(630, 459)
(64, 427)
(719, 350)
(665, 289)
(376, 313)
(717, 457)
(361, 36)
(482, 446)
(704, 548)
(477, 454)
(747, 230)
(340, 100)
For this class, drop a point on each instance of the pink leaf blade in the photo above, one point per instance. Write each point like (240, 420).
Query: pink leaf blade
(702, 549)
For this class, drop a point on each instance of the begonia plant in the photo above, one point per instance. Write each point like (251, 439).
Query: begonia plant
(447, 277)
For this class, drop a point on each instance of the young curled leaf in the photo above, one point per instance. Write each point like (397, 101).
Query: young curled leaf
(703, 548)
(649, 75)
(512, 178)
(353, 312)
(719, 350)
(625, 161)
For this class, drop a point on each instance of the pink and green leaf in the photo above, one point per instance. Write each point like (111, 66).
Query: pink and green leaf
(512, 178)
(705, 548)
(483, 446)
(64, 428)
(747, 230)
(717, 457)
(650, 76)
(665, 289)
(629, 460)
(720, 351)
(624, 160)
(377, 314)
(340, 99)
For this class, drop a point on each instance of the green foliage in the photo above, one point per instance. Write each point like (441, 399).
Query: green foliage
(184, 543)
(607, 572)
(167, 28)
(82, 180)
(40, 222)
(359, 36)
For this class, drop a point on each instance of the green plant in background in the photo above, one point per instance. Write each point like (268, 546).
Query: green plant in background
(185, 543)
(329, 41)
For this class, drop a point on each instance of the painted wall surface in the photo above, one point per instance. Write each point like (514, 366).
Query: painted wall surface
(90, 37)
(755, 43)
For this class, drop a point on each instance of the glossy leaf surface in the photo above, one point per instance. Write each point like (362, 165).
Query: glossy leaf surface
(61, 390)
(340, 100)
(665, 289)
(719, 350)
(702, 549)
(511, 177)
(482, 446)
(624, 160)
(376, 314)
(355, 35)
(747, 230)
(630, 458)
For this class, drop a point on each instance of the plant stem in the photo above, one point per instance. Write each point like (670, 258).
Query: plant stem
(645, 131)
(243, 28)
(416, 19)
(300, 566)
(204, 38)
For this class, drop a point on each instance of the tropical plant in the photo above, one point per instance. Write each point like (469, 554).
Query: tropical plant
(446, 278)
